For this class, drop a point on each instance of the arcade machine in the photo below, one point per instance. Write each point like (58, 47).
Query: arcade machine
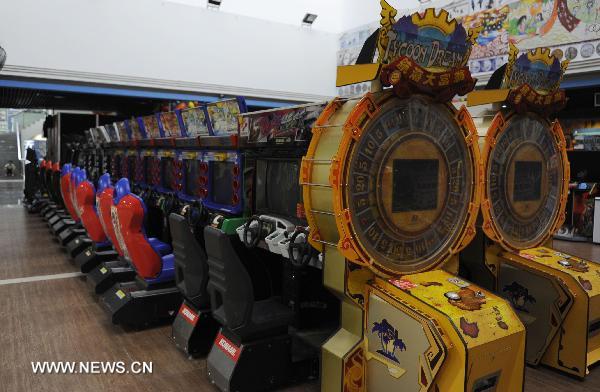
(212, 194)
(525, 186)
(153, 295)
(391, 194)
(94, 247)
(40, 197)
(283, 326)
(82, 244)
(141, 228)
(68, 231)
(32, 186)
(114, 269)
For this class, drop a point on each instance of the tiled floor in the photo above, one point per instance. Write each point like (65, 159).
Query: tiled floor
(11, 191)
(60, 319)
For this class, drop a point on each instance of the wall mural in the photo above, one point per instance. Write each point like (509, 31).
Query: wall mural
(350, 43)
(572, 26)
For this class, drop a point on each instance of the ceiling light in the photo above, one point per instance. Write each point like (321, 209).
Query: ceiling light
(309, 19)
(214, 4)
(2, 57)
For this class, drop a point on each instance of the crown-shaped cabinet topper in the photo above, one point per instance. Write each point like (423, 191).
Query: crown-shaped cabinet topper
(424, 53)
(531, 83)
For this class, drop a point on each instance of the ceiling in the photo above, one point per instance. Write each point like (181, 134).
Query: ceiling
(335, 16)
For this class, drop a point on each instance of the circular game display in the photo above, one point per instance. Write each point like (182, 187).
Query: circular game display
(526, 180)
(410, 184)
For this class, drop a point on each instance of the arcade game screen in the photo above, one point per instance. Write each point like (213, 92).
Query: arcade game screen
(277, 187)
(192, 168)
(221, 180)
(148, 170)
(167, 174)
(414, 185)
(116, 165)
(131, 162)
(528, 181)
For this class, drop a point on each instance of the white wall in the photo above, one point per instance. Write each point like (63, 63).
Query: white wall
(356, 13)
(165, 44)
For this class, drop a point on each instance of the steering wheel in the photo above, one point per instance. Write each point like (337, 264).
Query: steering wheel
(197, 215)
(303, 249)
(254, 231)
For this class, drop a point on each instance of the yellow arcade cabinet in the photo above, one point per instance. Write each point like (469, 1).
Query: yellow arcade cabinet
(391, 191)
(525, 184)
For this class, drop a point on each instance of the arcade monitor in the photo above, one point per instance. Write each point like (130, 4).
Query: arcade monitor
(277, 190)
(167, 173)
(220, 182)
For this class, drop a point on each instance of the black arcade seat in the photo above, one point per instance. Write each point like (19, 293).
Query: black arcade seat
(191, 265)
(194, 327)
(232, 293)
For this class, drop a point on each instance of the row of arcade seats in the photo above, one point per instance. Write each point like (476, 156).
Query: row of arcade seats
(214, 240)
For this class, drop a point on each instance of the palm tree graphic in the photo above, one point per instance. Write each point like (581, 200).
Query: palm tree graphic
(389, 340)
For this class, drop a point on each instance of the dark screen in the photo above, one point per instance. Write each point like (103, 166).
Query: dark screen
(166, 167)
(221, 182)
(191, 176)
(415, 185)
(148, 169)
(278, 190)
(131, 161)
(116, 163)
(528, 181)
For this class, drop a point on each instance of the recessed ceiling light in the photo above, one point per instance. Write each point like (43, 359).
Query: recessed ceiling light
(214, 4)
(309, 19)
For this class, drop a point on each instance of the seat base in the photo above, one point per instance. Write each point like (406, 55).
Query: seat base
(233, 366)
(109, 273)
(60, 226)
(36, 205)
(49, 207)
(194, 330)
(91, 257)
(47, 212)
(129, 305)
(69, 234)
(78, 245)
(55, 218)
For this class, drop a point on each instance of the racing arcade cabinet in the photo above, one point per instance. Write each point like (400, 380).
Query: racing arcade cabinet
(153, 296)
(213, 195)
(283, 328)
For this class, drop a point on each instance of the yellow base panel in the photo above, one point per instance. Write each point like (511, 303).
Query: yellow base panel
(434, 332)
(558, 297)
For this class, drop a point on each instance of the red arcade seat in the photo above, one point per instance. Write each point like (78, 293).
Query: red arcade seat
(105, 267)
(65, 190)
(151, 257)
(85, 194)
(104, 201)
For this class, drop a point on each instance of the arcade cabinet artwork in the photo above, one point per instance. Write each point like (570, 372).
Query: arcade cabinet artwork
(525, 185)
(391, 194)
